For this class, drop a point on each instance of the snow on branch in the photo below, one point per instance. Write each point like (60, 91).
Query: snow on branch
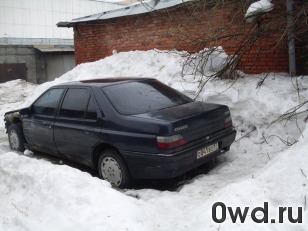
(258, 8)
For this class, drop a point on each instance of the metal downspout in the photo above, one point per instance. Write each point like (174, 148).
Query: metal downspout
(291, 42)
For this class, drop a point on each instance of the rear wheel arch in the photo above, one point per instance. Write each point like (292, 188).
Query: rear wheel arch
(97, 151)
(111, 166)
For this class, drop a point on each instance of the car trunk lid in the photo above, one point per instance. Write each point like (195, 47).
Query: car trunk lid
(192, 120)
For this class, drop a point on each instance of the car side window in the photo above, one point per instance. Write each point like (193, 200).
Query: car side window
(47, 104)
(91, 113)
(75, 103)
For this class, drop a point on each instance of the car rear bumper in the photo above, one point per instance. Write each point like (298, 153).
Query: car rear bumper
(167, 166)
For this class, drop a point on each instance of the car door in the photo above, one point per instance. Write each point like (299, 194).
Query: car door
(39, 124)
(77, 127)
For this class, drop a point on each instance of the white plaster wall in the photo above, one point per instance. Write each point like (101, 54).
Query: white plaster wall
(38, 18)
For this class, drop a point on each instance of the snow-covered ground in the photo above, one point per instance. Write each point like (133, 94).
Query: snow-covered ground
(36, 194)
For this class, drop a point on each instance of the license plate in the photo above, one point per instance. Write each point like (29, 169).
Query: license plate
(207, 150)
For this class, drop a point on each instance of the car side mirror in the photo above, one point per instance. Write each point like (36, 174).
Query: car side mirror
(25, 112)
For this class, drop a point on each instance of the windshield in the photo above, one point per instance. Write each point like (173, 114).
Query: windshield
(143, 96)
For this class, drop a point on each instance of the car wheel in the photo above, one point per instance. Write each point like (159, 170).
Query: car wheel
(16, 137)
(112, 168)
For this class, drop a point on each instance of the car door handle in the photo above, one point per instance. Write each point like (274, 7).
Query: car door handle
(47, 125)
(88, 132)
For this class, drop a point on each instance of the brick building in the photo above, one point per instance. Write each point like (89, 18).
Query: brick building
(178, 24)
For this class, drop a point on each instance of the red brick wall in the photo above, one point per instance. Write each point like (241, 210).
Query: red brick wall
(177, 28)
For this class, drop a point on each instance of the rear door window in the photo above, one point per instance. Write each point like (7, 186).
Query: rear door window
(75, 103)
(91, 113)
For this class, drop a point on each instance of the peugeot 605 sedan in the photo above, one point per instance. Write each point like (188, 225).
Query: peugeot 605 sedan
(126, 128)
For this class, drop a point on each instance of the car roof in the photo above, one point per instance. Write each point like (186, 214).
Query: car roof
(104, 81)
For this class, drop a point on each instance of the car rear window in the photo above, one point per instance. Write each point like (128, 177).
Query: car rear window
(140, 97)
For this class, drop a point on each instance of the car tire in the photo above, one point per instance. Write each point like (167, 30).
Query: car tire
(112, 168)
(16, 137)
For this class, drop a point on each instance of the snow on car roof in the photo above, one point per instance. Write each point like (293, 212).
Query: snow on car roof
(105, 81)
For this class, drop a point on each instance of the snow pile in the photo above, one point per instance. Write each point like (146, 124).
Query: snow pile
(259, 7)
(282, 183)
(215, 58)
(165, 66)
(12, 94)
(38, 195)
(50, 197)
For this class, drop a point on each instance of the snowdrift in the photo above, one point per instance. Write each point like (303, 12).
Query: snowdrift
(260, 167)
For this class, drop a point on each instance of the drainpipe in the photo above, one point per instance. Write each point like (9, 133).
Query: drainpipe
(291, 42)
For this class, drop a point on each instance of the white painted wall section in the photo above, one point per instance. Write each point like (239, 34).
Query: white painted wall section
(38, 18)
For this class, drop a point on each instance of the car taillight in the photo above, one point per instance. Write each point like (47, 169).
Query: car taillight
(228, 122)
(167, 142)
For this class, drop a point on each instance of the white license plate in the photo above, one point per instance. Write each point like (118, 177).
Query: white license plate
(207, 150)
